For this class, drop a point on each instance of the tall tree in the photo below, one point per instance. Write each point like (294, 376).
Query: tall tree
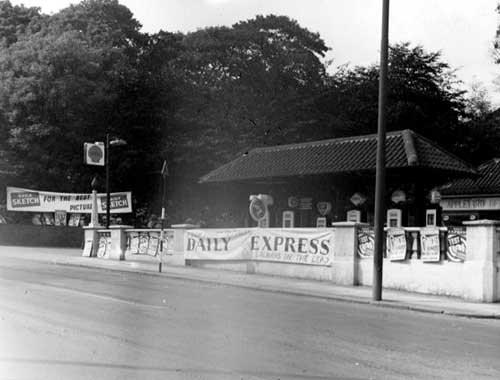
(423, 95)
(16, 20)
(245, 86)
(72, 81)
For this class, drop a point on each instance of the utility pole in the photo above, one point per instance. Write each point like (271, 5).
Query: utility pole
(378, 257)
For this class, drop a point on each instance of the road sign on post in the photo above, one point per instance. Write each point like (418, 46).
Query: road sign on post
(94, 153)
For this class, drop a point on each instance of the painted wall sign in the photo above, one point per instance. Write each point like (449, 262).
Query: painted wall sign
(258, 208)
(398, 196)
(324, 208)
(467, 204)
(305, 203)
(303, 246)
(366, 242)
(19, 199)
(358, 199)
(396, 244)
(429, 244)
(293, 202)
(457, 239)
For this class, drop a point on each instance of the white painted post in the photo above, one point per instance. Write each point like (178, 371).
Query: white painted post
(345, 257)
(177, 258)
(118, 242)
(480, 267)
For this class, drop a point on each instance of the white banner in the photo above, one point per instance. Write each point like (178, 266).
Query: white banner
(304, 246)
(45, 201)
(217, 244)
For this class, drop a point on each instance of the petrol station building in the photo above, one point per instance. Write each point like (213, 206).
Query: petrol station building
(313, 184)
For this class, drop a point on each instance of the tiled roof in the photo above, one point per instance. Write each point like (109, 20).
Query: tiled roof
(487, 181)
(343, 155)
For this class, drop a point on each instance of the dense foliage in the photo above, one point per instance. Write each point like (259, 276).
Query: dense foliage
(199, 99)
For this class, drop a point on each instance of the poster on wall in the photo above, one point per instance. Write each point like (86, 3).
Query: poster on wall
(366, 242)
(132, 243)
(87, 248)
(154, 243)
(429, 244)
(74, 220)
(104, 244)
(143, 243)
(457, 239)
(396, 244)
(60, 217)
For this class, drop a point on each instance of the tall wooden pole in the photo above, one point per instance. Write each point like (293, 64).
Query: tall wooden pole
(378, 258)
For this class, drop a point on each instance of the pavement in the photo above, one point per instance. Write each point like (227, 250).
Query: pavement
(319, 289)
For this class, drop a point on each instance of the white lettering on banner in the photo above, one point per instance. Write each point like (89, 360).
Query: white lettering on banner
(465, 204)
(45, 201)
(294, 246)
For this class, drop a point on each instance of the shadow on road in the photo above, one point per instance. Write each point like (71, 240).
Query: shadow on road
(199, 371)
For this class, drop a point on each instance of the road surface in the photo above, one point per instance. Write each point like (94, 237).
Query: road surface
(62, 322)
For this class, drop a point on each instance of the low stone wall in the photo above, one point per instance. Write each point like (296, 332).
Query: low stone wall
(440, 278)
(41, 236)
(461, 262)
(470, 272)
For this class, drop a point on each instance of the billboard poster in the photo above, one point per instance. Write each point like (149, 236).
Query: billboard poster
(366, 242)
(457, 241)
(19, 199)
(300, 246)
(430, 244)
(396, 244)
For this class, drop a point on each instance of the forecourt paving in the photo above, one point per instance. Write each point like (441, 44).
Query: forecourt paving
(357, 294)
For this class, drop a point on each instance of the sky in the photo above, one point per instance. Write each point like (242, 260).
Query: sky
(462, 30)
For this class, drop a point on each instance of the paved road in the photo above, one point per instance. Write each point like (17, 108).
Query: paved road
(59, 322)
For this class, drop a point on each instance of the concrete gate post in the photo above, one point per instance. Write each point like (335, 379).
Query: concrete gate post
(480, 265)
(177, 258)
(118, 242)
(345, 258)
(90, 239)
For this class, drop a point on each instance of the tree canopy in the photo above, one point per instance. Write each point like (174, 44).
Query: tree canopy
(199, 99)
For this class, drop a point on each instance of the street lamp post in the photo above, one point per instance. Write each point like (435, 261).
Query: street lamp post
(109, 144)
